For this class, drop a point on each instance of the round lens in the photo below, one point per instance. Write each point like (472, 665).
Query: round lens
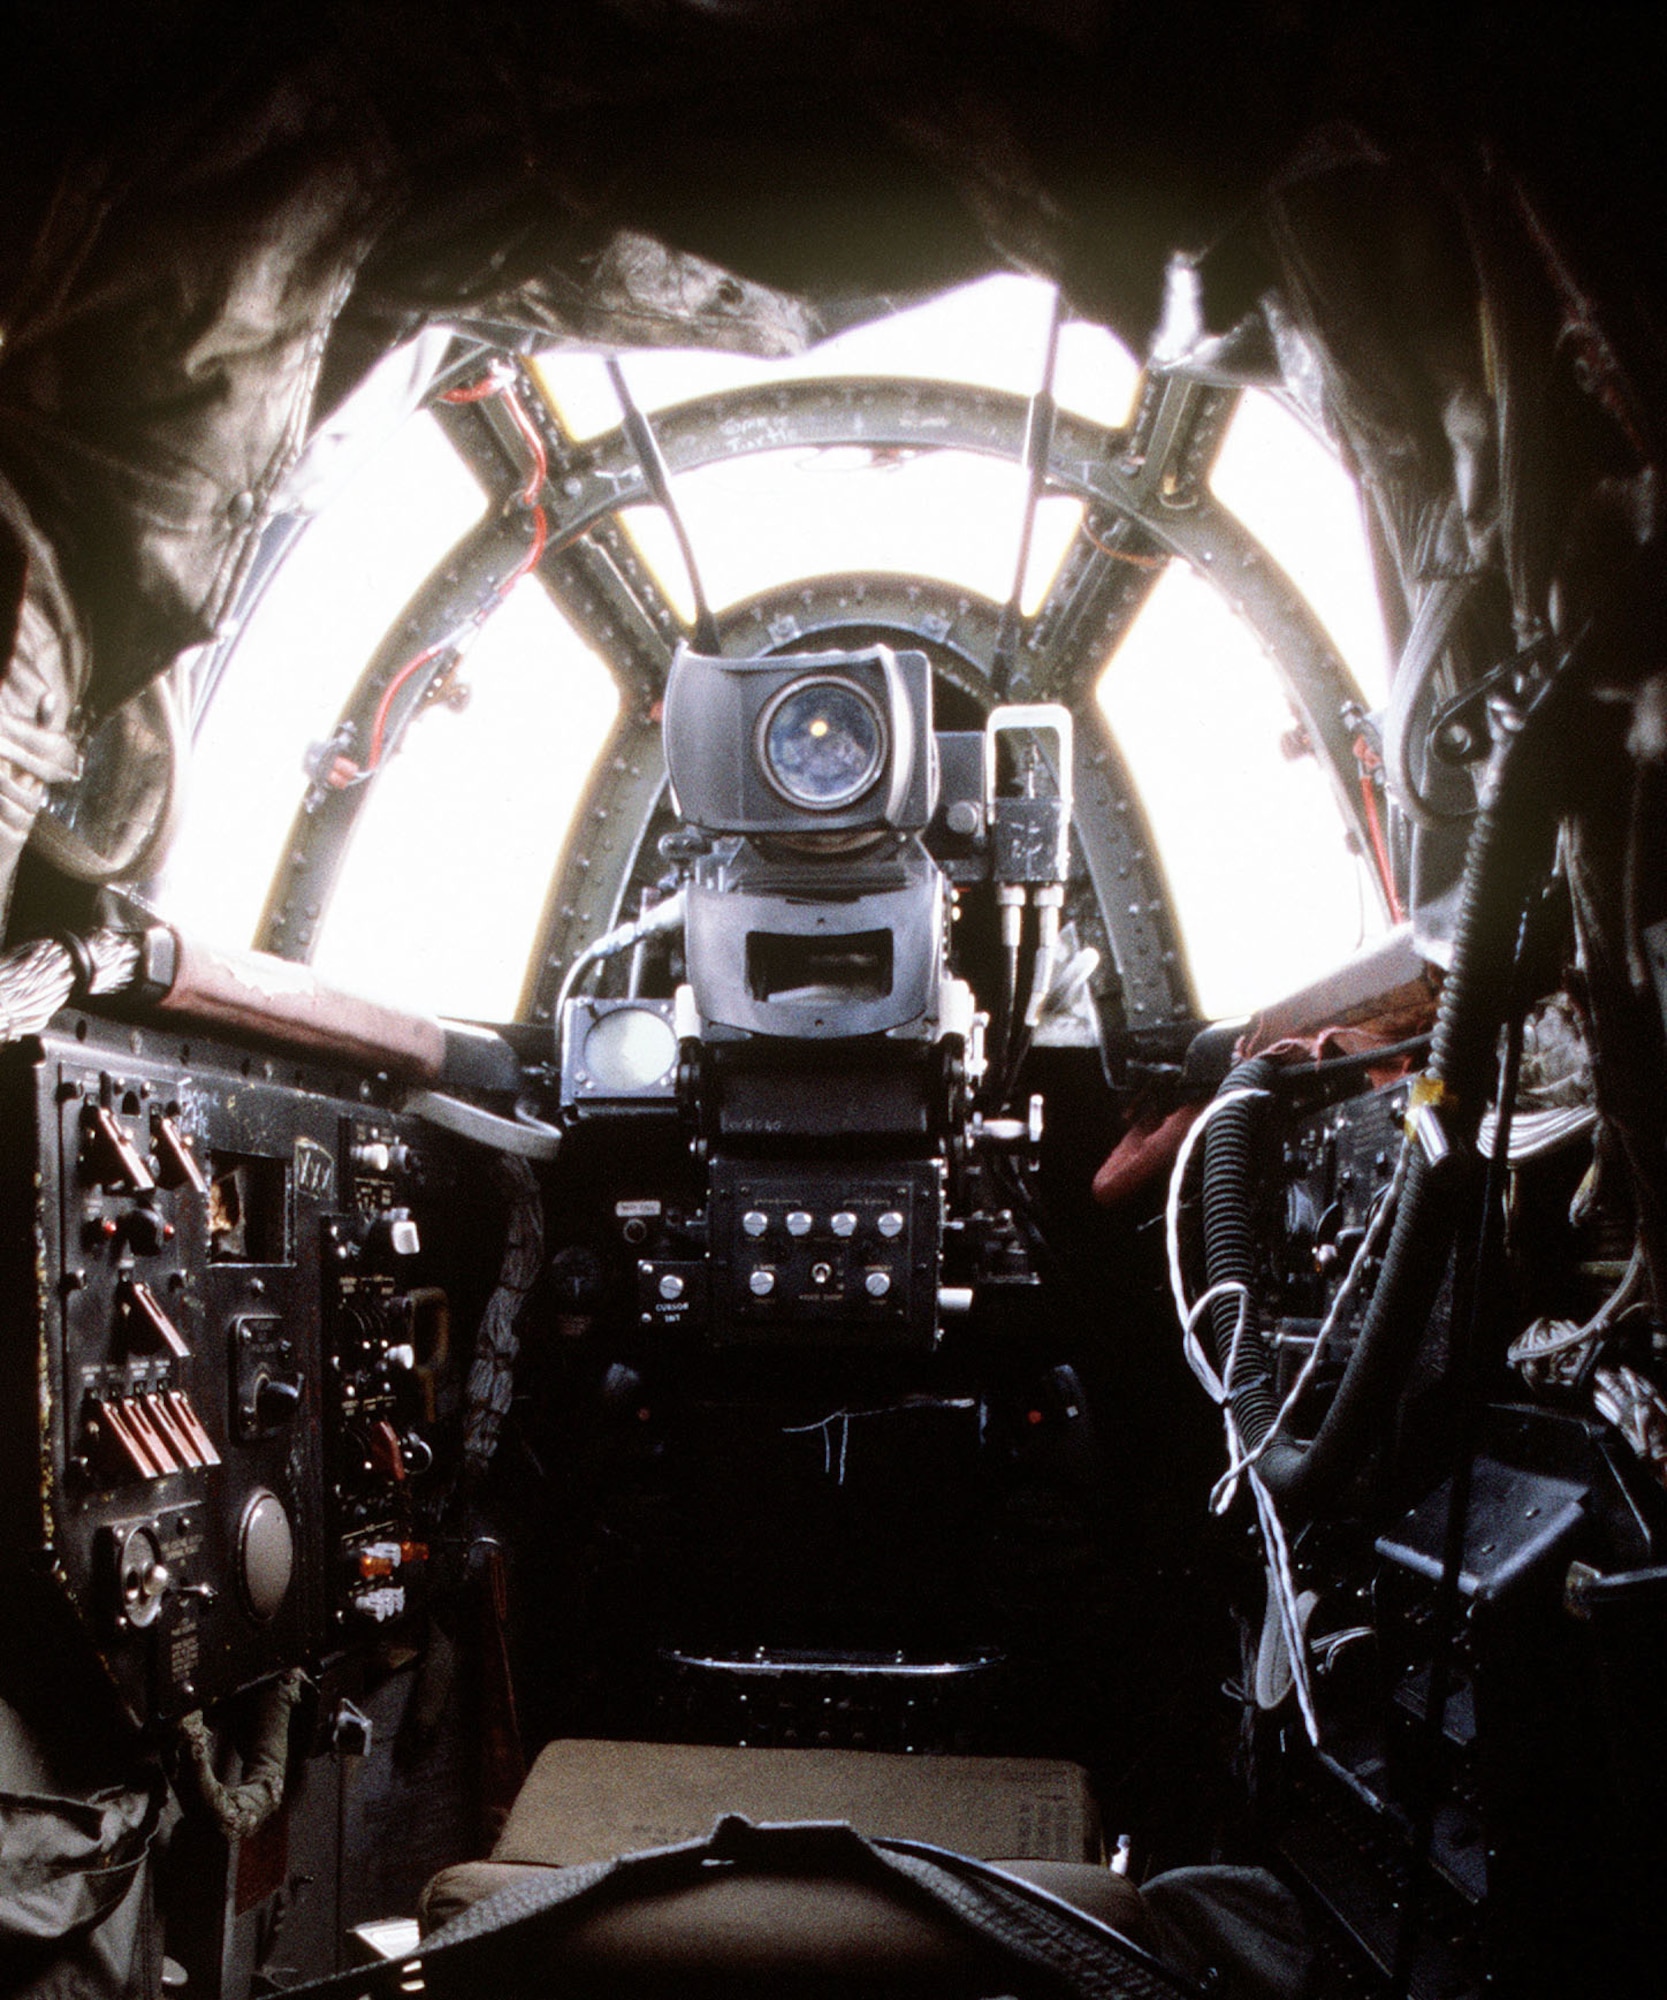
(823, 743)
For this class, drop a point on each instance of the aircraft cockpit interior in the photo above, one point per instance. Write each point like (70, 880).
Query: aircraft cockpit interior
(833, 1007)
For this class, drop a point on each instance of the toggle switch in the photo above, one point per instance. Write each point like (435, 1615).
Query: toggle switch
(112, 1159)
(111, 1424)
(396, 1232)
(167, 1426)
(186, 1418)
(149, 1327)
(178, 1162)
(385, 1452)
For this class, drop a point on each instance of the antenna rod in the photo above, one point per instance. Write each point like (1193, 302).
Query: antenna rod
(1038, 448)
(646, 446)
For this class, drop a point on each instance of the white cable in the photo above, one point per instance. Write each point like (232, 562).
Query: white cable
(1197, 1360)
(666, 915)
(1281, 1576)
(1524, 1352)
(1190, 1315)
(38, 978)
(1219, 1387)
(1177, 1181)
(1047, 952)
(1536, 1133)
(1290, 1611)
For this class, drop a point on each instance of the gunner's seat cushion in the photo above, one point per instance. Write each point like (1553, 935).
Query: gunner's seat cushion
(586, 1800)
(815, 1914)
(589, 1800)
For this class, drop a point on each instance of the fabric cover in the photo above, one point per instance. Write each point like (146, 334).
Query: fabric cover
(588, 1800)
(1085, 1884)
(76, 1920)
(751, 1907)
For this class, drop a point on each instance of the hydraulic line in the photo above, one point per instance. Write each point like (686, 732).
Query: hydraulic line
(1439, 616)
(1048, 899)
(666, 915)
(241, 1810)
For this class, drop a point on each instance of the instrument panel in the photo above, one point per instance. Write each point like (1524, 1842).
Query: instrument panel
(227, 1371)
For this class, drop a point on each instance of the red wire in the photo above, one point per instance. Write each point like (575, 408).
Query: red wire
(494, 384)
(380, 722)
(473, 392)
(1369, 761)
(535, 446)
(344, 772)
(535, 549)
(1124, 555)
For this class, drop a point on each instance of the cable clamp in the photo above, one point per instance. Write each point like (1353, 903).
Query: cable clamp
(80, 954)
(1424, 1123)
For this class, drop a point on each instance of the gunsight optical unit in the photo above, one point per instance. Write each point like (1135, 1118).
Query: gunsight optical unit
(807, 743)
(817, 915)
(821, 742)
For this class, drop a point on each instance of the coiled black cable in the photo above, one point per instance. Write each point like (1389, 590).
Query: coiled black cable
(1511, 845)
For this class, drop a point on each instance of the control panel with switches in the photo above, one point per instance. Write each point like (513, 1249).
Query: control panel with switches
(223, 1342)
(824, 1253)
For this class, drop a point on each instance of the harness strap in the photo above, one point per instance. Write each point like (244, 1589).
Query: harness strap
(1057, 1944)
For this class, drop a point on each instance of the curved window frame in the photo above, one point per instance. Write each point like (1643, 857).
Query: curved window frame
(1145, 498)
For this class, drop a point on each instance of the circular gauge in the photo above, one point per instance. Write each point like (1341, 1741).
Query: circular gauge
(266, 1552)
(629, 1048)
(822, 743)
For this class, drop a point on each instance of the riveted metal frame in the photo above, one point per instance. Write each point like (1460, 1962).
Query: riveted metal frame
(1146, 500)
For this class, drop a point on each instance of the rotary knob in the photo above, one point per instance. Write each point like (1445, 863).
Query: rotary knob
(276, 1401)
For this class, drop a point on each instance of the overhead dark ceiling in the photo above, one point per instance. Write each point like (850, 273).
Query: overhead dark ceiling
(214, 220)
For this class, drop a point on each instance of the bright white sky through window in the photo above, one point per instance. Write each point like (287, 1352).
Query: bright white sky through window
(450, 865)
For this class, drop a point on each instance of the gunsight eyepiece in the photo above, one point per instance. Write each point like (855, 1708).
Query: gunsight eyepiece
(800, 744)
(822, 742)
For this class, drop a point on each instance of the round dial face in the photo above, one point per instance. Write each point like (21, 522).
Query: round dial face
(822, 743)
(630, 1048)
(266, 1550)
